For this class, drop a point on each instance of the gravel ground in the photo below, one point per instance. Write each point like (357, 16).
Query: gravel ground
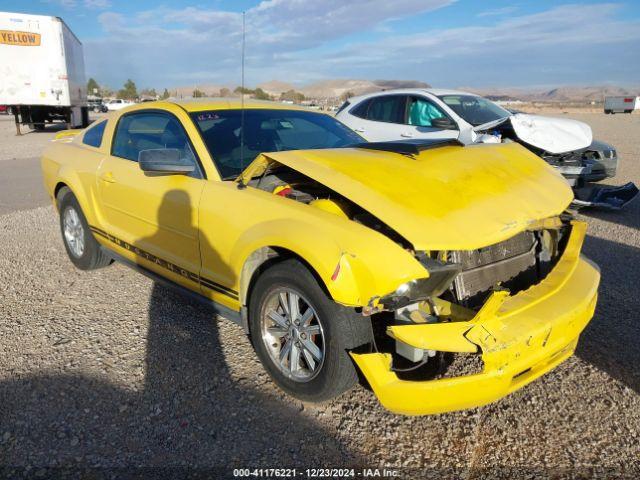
(106, 369)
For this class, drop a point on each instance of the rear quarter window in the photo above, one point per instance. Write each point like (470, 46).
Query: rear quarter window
(360, 110)
(93, 136)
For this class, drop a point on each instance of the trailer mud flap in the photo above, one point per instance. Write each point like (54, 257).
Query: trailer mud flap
(611, 198)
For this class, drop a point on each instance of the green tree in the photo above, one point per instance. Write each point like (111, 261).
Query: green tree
(346, 95)
(292, 96)
(92, 87)
(245, 90)
(129, 92)
(105, 91)
(260, 94)
(149, 92)
(198, 93)
(165, 94)
(225, 92)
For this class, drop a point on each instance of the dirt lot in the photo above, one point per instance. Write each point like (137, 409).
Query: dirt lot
(104, 369)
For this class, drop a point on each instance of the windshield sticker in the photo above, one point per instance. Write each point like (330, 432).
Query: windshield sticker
(207, 116)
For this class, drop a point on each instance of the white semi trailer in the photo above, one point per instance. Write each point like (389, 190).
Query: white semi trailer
(621, 104)
(42, 76)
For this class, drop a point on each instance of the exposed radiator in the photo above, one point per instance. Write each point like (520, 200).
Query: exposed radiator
(487, 267)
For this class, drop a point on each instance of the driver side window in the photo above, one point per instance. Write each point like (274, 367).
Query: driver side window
(151, 130)
(421, 112)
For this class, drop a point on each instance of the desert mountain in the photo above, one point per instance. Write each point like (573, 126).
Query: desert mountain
(276, 87)
(566, 94)
(337, 87)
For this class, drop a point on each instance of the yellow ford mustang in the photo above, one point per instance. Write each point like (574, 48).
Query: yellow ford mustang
(334, 255)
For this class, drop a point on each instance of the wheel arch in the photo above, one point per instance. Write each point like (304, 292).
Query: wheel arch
(67, 178)
(56, 191)
(263, 258)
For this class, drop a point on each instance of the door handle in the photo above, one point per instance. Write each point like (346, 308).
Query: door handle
(359, 130)
(107, 177)
(406, 134)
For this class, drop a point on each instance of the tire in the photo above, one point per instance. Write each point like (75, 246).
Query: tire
(9, 111)
(337, 330)
(75, 230)
(607, 112)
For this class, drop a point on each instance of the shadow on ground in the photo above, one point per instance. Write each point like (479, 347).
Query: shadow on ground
(190, 412)
(610, 342)
(628, 216)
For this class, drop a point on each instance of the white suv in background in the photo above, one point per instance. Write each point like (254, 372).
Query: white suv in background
(404, 114)
(437, 114)
(117, 104)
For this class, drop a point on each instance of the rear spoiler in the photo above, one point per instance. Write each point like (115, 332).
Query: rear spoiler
(66, 134)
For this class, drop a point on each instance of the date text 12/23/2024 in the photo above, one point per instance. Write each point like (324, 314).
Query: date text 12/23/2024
(315, 473)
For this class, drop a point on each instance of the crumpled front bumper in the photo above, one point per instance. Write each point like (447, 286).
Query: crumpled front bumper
(520, 338)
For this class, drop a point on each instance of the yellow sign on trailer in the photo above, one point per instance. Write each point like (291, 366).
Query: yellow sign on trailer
(25, 39)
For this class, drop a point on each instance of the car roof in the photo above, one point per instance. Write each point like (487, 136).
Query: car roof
(199, 105)
(416, 91)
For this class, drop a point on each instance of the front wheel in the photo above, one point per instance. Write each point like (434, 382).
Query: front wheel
(301, 336)
(83, 250)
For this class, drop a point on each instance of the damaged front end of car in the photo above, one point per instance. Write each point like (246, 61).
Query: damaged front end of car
(519, 333)
(490, 275)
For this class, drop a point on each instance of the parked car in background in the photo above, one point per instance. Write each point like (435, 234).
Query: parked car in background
(96, 104)
(621, 104)
(566, 144)
(118, 103)
(6, 109)
(335, 254)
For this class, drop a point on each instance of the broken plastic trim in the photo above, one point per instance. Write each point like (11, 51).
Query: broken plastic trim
(612, 198)
(408, 147)
(441, 275)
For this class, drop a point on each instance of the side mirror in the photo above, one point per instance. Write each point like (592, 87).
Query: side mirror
(444, 123)
(165, 160)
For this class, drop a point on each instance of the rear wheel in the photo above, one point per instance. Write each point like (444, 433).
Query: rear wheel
(302, 336)
(83, 249)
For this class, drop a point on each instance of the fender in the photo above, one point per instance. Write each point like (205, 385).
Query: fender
(352, 270)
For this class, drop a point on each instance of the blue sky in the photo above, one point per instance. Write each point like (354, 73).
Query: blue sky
(446, 43)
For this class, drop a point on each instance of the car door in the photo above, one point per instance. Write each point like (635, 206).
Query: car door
(152, 218)
(380, 118)
(419, 120)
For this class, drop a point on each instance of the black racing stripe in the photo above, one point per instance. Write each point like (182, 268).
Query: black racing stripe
(207, 281)
(215, 287)
(210, 284)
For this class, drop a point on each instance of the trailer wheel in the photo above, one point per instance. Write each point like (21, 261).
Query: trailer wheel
(607, 112)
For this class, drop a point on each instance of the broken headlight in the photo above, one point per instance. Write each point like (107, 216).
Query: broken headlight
(441, 276)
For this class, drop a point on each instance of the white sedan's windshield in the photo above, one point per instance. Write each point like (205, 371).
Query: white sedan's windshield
(475, 110)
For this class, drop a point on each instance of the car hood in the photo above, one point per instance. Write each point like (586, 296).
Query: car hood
(553, 135)
(446, 198)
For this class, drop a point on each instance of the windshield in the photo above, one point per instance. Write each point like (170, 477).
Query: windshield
(266, 130)
(474, 110)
